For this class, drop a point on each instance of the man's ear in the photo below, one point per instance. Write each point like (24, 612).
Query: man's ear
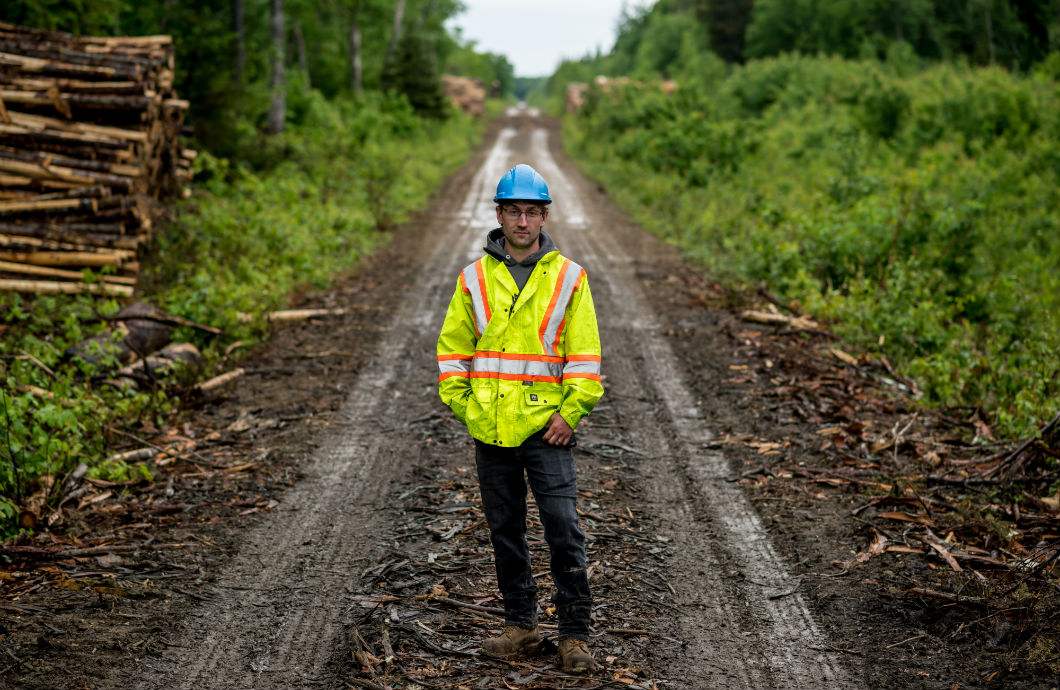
(498, 209)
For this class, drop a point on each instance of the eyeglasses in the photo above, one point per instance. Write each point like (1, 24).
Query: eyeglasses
(513, 213)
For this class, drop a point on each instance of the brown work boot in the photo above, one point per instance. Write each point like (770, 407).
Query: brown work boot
(512, 642)
(575, 657)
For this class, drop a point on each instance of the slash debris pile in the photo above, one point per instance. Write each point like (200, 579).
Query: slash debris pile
(90, 142)
(967, 528)
(143, 540)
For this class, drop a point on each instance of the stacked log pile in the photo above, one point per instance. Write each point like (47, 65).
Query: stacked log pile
(465, 93)
(575, 96)
(577, 91)
(89, 144)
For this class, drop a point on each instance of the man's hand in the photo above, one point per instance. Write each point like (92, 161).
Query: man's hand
(557, 431)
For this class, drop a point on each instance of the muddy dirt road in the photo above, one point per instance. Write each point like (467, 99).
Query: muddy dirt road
(318, 525)
(288, 608)
(325, 530)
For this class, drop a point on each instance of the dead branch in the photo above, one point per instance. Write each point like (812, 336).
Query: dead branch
(218, 381)
(929, 593)
(776, 319)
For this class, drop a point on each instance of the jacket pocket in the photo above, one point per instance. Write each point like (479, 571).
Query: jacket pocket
(541, 398)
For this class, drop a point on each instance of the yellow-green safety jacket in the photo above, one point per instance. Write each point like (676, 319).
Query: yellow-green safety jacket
(509, 359)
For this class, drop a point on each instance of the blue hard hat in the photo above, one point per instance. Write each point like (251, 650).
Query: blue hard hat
(522, 183)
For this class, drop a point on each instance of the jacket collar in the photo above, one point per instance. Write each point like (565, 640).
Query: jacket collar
(495, 248)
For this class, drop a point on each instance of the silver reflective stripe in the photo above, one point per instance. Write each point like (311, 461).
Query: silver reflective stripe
(581, 368)
(449, 366)
(559, 312)
(472, 285)
(517, 367)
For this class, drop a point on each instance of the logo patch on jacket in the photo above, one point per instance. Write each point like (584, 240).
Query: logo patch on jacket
(533, 397)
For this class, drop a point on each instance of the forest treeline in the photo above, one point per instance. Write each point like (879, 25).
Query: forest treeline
(239, 60)
(660, 39)
(891, 167)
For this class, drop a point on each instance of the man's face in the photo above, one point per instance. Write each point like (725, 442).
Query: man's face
(522, 222)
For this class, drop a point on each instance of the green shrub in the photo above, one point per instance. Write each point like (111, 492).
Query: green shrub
(319, 200)
(915, 210)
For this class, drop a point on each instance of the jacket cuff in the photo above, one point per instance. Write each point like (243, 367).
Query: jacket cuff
(571, 417)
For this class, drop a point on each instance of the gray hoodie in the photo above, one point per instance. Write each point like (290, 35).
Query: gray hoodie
(520, 270)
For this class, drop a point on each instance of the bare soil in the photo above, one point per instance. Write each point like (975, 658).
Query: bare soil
(325, 530)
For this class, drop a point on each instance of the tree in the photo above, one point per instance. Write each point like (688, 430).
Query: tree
(356, 66)
(726, 22)
(1012, 33)
(300, 52)
(95, 17)
(231, 53)
(414, 73)
(395, 34)
(240, 44)
(494, 71)
(631, 29)
(277, 78)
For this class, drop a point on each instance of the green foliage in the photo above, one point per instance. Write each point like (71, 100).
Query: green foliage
(531, 90)
(693, 42)
(270, 214)
(661, 44)
(415, 74)
(1006, 32)
(916, 210)
(351, 169)
(322, 195)
(48, 434)
(98, 16)
(494, 71)
(227, 110)
(726, 22)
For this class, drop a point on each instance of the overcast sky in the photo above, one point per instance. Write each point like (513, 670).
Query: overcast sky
(536, 35)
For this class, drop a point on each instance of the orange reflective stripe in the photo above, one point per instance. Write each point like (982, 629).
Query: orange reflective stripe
(552, 304)
(551, 330)
(473, 281)
(563, 323)
(518, 356)
(482, 289)
(519, 365)
(463, 284)
(583, 358)
(514, 377)
(453, 365)
(559, 334)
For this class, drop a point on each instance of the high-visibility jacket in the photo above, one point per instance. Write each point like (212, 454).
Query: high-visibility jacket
(509, 359)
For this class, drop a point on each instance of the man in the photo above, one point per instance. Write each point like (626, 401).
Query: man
(519, 363)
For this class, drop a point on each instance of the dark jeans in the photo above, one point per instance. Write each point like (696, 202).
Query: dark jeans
(550, 471)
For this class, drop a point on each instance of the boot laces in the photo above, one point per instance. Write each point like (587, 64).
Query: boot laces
(574, 643)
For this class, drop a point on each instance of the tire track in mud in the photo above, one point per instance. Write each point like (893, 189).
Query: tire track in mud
(275, 616)
(745, 624)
